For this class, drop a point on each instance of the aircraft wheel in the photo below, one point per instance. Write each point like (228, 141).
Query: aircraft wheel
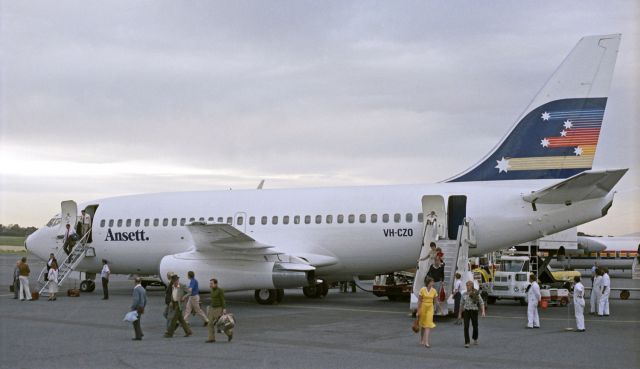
(323, 289)
(265, 296)
(87, 285)
(279, 295)
(624, 295)
(310, 291)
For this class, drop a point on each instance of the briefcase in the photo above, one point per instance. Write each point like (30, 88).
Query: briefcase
(35, 295)
(73, 292)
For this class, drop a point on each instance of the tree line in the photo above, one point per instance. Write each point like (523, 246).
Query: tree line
(15, 230)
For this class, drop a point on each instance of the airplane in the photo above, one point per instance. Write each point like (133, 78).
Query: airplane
(611, 252)
(536, 181)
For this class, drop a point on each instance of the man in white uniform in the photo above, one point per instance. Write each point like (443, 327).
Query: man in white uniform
(533, 298)
(578, 303)
(596, 290)
(603, 309)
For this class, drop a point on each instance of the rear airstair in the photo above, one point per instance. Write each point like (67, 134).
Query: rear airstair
(456, 256)
(66, 263)
(635, 269)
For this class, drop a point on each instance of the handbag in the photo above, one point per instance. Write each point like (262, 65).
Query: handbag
(442, 295)
(415, 327)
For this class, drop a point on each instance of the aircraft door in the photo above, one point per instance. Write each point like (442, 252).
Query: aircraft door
(241, 221)
(456, 212)
(433, 207)
(69, 215)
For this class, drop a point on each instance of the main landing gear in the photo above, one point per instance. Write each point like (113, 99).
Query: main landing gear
(269, 296)
(87, 285)
(316, 291)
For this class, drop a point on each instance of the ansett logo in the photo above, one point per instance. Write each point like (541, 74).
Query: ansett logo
(126, 236)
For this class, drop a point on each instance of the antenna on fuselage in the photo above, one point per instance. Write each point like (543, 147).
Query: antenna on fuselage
(260, 185)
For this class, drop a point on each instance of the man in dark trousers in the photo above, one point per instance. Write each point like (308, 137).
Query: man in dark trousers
(178, 295)
(104, 274)
(138, 304)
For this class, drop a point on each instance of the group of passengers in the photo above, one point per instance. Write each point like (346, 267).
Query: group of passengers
(600, 291)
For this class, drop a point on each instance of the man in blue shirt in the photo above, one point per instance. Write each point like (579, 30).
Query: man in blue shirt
(194, 300)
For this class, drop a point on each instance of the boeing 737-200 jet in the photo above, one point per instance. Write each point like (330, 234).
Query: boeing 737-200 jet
(537, 181)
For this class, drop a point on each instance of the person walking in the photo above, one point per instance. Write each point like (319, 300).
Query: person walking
(138, 303)
(69, 239)
(426, 303)
(457, 295)
(178, 295)
(596, 291)
(53, 281)
(471, 302)
(578, 303)
(533, 298)
(216, 310)
(85, 219)
(23, 267)
(193, 301)
(603, 308)
(105, 273)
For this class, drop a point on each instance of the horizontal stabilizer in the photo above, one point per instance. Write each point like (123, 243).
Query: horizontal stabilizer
(583, 186)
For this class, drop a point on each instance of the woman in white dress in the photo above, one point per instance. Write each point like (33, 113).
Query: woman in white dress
(53, 281)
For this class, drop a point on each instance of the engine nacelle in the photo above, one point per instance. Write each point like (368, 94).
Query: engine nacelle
(235, 274)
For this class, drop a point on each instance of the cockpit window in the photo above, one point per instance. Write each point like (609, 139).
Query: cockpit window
(54, 221)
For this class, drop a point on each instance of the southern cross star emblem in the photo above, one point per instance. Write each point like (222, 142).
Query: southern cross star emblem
(563, 133)
(545, 116)
(544, 142)
(503, 165)
(578, 151)
(567, 124)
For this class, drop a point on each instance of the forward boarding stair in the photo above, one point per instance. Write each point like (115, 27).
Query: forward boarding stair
(66, 263)
(456, 255)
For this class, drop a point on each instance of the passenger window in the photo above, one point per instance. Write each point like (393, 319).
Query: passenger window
(420, 217)
(385, 218)
(191, 220)
(363, 218)
(156, 222)
(263, 220)
(137, 222)
(240, 220)
(252, 220)
(182, 221)
(211, 219)
(174, 222)
(409, 217)
(318, 219)
(352, 218)
(220, 219)
(102, 223)
(340, 218)
(128, 222)
(307, 219)
(329, 219)
(110, 222)
(119, 223)
(397, 217)
(165, 222)
(201, 219)
(274, 219)
(374, 218)
(285, 219)
(296, 219)
(229, 220)
(146, 222)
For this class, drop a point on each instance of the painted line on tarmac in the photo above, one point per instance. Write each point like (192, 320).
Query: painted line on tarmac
(564, 319)
(406, 313)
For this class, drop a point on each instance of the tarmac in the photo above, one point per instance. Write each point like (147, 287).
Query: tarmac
(343, 330)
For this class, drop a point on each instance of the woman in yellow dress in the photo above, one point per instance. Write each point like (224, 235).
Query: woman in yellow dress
(426, 301)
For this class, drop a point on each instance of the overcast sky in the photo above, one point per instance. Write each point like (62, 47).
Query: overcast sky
(109, 98)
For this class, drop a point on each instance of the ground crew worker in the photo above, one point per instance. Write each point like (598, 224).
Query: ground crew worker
(596, 290)
(578, 303)
(533, 298)
(603, 309)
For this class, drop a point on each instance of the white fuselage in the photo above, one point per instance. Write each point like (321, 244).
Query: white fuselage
(339, 249)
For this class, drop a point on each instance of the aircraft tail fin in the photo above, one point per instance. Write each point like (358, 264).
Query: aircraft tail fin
(556, 136)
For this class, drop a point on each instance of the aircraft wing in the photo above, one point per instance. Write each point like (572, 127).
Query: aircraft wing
(226, 238)
(229, 242)
(583, 186)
